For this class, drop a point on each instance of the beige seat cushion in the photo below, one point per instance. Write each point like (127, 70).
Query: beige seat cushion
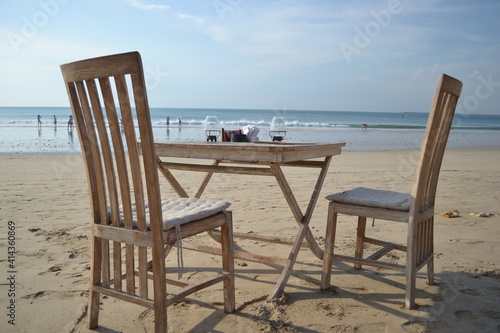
(363, 196)
(178, 211)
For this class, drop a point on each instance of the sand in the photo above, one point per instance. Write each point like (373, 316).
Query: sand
(45, 197)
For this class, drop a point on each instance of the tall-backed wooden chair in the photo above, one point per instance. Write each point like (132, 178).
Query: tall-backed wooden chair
(415, 209)
(132, 226)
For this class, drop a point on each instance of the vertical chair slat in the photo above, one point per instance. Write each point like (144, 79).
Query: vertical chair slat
(133, 154)
(421, 241)
(138, 185)
(146, 135)
(431, 235)
(425, 240)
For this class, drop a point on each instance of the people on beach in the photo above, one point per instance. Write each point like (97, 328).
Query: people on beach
(70, 123)
(39, 120)
(364, 126)
(168, 121)
(180, 122)
(55, 121)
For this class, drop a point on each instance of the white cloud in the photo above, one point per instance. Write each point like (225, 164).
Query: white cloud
(196, 19)
(217, 32)
(141, 5)
(418, 72)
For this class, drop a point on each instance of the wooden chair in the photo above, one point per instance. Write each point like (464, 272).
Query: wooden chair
(415, 209)
(132, 227)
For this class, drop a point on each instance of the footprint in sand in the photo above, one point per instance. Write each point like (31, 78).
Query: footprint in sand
(372, 327)
(473, 292)
(492, 314)
(465, 315)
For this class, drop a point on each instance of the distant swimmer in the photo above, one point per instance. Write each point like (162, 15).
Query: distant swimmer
(364, 126)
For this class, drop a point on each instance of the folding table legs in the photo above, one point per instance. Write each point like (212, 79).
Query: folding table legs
(302, 220)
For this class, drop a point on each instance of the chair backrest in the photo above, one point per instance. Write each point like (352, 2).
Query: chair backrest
(108, 100)
(434, 143)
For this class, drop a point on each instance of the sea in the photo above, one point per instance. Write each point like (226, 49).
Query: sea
(20, 133)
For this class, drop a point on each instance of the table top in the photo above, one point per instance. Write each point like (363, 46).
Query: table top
(259, 151)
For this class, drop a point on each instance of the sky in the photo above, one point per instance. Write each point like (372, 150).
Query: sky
(359, 55)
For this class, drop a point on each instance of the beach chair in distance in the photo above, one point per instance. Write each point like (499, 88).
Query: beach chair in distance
(415, 209)
(133, 228)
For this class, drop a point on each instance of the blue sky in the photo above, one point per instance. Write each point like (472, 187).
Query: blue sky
(360, 55)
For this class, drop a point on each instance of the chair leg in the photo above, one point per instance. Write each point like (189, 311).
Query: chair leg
(95, 278)
(159, 289)
(228, 264)
(93, 310)
(430, 272)
(360, 237)
(411, 266)
(411, 276)
(331, 224)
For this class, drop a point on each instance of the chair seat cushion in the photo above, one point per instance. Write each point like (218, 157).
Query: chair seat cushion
(363, 196)
(178, 211)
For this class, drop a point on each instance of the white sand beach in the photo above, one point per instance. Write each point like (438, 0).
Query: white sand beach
(45, 196)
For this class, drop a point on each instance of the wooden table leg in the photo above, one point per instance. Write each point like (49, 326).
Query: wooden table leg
(287, 270)
(205, 181)
(294, 206)
(303, 220)
(317, 251)
(171, 179)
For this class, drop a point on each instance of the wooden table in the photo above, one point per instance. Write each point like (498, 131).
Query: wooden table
(255, 158)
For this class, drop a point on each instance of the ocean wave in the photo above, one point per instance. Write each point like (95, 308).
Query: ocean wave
(262, 124)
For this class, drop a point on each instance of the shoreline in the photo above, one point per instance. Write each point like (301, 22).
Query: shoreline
(344, 150)
(48, 139)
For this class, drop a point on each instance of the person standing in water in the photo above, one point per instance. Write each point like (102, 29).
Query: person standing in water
(70, 123)
(55, 121)
(39, 120)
